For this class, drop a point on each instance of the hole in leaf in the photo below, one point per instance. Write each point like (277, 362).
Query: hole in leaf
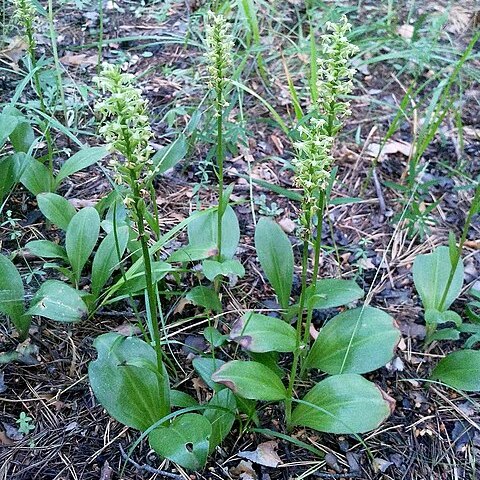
(189, 446)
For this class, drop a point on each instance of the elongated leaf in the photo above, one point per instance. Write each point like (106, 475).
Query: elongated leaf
(81, 237)
(202, 232)
(344, 404)
(220, 419)
(107, 258)
(80, 160)
(250, 380)
(12, 296)
(205, 297)
(36, 177)
(193, 254)
(214, 337)
(7, 176)
(355, 341)
(167, 157)
(460, 370)
(185, 441)
(212, 268)
(8, 123)
(259, 333)
(46, 249)
(58, 301)
(276, 258)
(205, 367)
(22, 137)
(56, 209)
(135, 396)
(181, 399)
(136, 282)
(430, 275)
(333, 292)
(434, 317)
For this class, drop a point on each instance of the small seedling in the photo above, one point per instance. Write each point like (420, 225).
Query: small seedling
(25, 424)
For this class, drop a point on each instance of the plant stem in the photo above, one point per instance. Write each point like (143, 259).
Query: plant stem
(39, 91)
(152, 299)
(100, 35)
(58, 67)
(454, 262)
(220, 172)
(298, 349)
(316, 266)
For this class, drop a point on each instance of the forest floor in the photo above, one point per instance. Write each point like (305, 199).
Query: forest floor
(433, 432)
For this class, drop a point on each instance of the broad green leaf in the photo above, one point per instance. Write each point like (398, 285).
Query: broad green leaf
(167, 157)
(343, 404)
(355, 341)
(220, 419)
(214, 337)
(445, 334)
(81, 237)
(333, 292)
(46, 249)
(12, 296)
(7, 176)
(259, 333)
(193, 254)
(80, 160)
(136, 282)
(430, 275)
(181, 399)
(8, 123)
(250, 380)
(135, 396)
(107, 259)
(56, 209)
(460, 370)
(271, 360)
(22, 137)
(205, 297)
(58, 301)
(185, 441)
(206, 367)
(202, 232)
(36, 177)
(276, 258)
(212, 268)
(434, 317)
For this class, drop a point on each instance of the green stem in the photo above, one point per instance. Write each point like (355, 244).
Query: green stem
(152, 299)
(316, 267)
(100, 35)
(220, 172)
(58, 67)
(454, 263)
(298, 349)
(39, 91)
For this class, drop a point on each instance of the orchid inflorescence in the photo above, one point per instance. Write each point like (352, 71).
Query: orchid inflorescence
(126, 126)
(219, 55)
(316, 136)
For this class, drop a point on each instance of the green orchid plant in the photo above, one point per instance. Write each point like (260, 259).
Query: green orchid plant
(130, 376)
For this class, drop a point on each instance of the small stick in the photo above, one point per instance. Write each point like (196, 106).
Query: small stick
(378, 189)
(148, 468)
(336, 475)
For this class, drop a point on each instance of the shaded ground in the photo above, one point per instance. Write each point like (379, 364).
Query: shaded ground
(433, 432)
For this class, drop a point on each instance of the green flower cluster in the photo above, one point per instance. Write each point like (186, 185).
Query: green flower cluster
(314, 158)
(25, 15)
(334, 72)
(219, 54)
(126, 127)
